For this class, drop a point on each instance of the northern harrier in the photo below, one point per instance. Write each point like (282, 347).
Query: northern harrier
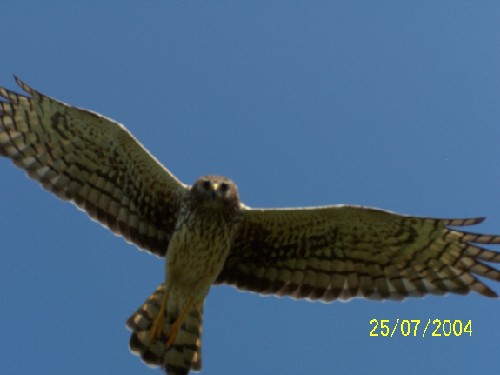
(208, 236)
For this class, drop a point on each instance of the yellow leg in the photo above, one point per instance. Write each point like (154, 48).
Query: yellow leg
(156, 329)
(174, 329)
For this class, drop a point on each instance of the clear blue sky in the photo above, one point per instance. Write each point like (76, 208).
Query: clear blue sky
(387, 104)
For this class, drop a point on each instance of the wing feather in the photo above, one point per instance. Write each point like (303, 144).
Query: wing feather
(341, 252)
(93, 162)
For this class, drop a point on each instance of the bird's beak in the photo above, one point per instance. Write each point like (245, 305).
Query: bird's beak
(214, 190)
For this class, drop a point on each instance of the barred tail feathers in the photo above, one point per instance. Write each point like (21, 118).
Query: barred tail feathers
(185, 354)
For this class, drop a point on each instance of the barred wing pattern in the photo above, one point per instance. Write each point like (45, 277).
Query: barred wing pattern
(94, 162)
(341, 252)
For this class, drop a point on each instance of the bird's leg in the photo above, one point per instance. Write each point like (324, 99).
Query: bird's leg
(156, 329)
(174, 328)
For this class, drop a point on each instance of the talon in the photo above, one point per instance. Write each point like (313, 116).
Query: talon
(156, 329)
(174, 328)
(172, 334)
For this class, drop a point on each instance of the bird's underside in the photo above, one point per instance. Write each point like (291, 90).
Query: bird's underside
(208, 236)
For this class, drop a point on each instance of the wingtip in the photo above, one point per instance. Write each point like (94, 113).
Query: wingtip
(465, 222)
(23, 85)
(489, 293)
(18, 80)
(477, 220)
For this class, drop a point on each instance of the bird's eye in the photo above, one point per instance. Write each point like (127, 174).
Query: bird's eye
(224, 187)
(206, 185)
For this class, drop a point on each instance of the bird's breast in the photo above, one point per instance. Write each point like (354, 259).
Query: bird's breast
(196, 255)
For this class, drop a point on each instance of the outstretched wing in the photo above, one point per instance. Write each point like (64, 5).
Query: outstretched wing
(94, 162)
(340, 252)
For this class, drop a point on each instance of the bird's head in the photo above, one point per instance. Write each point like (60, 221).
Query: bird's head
(215, 192)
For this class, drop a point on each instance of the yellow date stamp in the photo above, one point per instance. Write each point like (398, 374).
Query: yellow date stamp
(420, 328)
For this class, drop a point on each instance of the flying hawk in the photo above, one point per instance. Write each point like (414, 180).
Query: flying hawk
(208, 236)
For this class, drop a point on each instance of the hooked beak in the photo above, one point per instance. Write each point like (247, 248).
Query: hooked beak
(215, 186)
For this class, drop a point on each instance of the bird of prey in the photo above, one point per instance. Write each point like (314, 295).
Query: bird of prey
(208, 236)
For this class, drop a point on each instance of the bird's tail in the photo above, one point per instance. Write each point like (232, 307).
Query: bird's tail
(180, 357)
